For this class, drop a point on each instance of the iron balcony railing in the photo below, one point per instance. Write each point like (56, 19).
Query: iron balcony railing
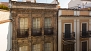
(48, 31)
(85, 34)
(22, 33)
(36, 32)
(69, 36)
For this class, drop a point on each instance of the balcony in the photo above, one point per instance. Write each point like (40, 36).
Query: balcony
(69, 36)
(48, 31)
(36, 32)
(22, 33)
(86, 34)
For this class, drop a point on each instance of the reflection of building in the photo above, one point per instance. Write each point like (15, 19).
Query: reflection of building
(79, 4)
(74, 30)
(34, 26)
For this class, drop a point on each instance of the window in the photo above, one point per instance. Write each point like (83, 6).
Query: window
(67, 30)
(36, 47)
(48, 29)
(47, 22)
(47, 47)
(68, 47)
(84, 29)
(84, 46)
(36, 22)
(23, 27)
(23, 48)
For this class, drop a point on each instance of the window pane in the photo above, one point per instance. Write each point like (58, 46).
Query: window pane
(47, 22)
(36, 47)
(36, 22)
(21, 23)
(23, 30)
(47, 47)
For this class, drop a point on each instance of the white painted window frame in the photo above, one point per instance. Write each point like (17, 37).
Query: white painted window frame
(87, 44)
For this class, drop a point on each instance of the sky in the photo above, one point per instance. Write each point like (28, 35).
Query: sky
(63, 3)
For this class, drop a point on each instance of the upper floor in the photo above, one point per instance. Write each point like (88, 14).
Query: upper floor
(75, 12)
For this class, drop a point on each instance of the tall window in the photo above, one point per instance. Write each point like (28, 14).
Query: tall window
(67, 30)
(47, 22)
(36, 22)
(47, 47)
(36, 47)
(23, 48)
(84, 29)
(23, 27)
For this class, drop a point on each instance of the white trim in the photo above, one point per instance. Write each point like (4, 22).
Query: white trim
(87, 44)
(75, 28)
(86, 25)
(78, 13)
(60, 13)
(75, 13)
(78, 35)
(89, 13)
(70, 24)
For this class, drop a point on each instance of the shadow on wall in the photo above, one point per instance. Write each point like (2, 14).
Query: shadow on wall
(9, 37)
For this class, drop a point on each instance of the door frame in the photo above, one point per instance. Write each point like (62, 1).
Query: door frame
(86, 25)
(87, 44)
(70, 27)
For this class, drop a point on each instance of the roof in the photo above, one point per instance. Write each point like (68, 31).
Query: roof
(5, 3)
(4, 16)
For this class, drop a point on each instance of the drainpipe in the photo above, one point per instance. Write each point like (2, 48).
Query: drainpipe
(57, 29)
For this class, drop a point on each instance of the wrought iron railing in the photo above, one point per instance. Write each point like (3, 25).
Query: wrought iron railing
(22, 33)
(69, 36)
(36, 32)
(48, 31)
(85, 34)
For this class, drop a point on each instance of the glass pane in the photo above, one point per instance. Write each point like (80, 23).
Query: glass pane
(21, 23)
(34, 22)
(47, 22)
(47, 47)
(25, 48)
(36, 47)
(38, 23)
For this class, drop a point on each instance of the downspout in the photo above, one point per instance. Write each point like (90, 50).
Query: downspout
(57, 28)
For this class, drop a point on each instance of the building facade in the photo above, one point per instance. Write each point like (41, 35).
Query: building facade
(74, 30)
(5, 30)
(34, 26)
